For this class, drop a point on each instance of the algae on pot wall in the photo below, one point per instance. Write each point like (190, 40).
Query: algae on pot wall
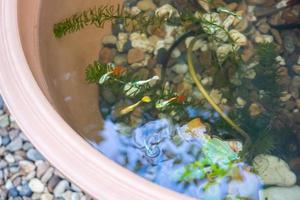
(192, 93)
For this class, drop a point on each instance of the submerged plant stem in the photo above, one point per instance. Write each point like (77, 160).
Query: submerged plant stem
(208, 97)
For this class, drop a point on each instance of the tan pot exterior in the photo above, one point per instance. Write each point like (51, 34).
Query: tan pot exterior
(42, 82)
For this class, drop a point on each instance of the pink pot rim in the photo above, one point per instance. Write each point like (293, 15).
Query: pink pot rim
(52, 136)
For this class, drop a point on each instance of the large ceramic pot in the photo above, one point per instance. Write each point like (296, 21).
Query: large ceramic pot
(42, 82)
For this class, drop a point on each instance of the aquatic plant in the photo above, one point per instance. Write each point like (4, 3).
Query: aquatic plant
(207, 24)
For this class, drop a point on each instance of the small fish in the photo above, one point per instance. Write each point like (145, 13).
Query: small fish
(162, 104)
(116, 71)
(128, 109)
(133, 88)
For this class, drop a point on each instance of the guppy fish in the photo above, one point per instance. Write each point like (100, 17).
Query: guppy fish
(133, 88)
(128, 109)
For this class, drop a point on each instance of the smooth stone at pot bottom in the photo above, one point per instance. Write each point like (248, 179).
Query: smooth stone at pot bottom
(146, 5)
(36, 185)
(180, 68)
(274, 171)
(281, 193)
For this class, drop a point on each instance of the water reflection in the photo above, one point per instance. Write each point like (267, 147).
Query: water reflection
(158, 151)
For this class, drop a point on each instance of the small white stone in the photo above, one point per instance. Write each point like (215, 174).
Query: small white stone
(281, 193)
(240, 102)
(46, 196)
(280, 60)
(166, 10)
(8, 184)
(47, 175)
(180, 68)
(75, 196)
(9, 158)
(223, 51)
(27, 166)
(60, 188)
(122, 39)
(285, 96)
(67, 195)
(36, 185)
(263, 38)
(109, 39)
(140, 40)
(238, 37)
(207, 80)
(274, 171)
(176, 53)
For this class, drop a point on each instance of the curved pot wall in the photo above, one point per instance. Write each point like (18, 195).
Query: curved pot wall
(42, 82)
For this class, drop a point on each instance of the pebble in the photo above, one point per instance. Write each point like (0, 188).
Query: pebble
(298, 103)
(34, 155)
(26, 146)
(109, 41)
(4, 121)
(264, 28)
(180, 68)
(106, 55)
(240, 102)
(296, 69)
(46, 196)
(295, 87)
(13, 192)
(5, 140)
(25, 190)
(27, 166)
(285, 97)
(281, 193)
(3, 131)
(273, 170)
(9, 158)
(53, 181)
(146, 5)
(238, 37)
(60, 188)
(264, 39)
(3, 164)
(42, 167)
(47, 175)
(140, 40)
(15, 144)
(120, 59)
(122, 39)
(36, 185)
(135, 55)
(254, 110)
